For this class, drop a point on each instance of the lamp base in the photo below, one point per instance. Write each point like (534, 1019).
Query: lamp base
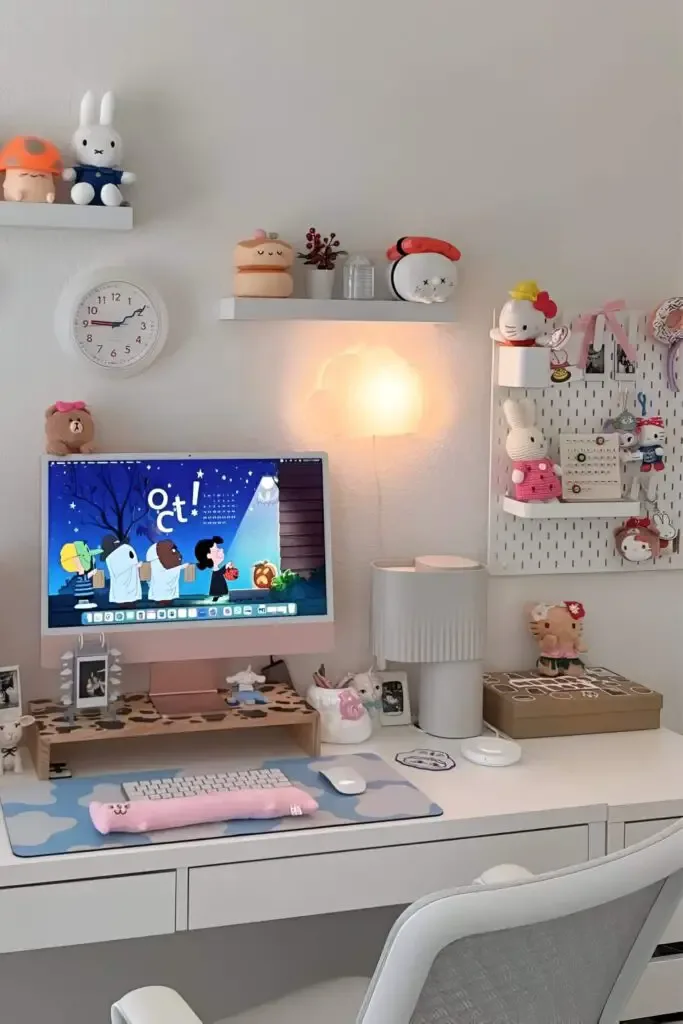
(451, 699)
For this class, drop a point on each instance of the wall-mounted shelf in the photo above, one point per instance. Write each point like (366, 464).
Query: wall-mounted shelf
(370, 310)
(571, 509)
(65, 215)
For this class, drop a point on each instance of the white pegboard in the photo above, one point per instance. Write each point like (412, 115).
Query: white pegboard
(520, 547)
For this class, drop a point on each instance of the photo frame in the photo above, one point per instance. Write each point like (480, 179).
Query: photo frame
(624, 369)
(395, 698)
(597, 359)
(91, 681)
(10, 693)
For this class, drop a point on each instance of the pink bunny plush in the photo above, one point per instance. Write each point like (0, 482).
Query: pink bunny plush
(535, 476)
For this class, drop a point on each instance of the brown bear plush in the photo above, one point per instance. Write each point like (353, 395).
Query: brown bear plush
(69, 429)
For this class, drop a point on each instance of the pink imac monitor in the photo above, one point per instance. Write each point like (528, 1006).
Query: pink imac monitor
(187, 557)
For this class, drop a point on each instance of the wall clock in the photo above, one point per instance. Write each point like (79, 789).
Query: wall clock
(112, 320)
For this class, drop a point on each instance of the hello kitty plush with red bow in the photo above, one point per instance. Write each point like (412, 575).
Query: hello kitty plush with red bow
(524, 317)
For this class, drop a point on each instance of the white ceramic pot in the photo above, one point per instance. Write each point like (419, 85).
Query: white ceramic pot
(343, 719)
(319, 283)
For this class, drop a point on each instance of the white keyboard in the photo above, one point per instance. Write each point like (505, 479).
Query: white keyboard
(196, 785)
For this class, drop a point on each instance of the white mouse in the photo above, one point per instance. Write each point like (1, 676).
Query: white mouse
(344, 779)
(491, 751)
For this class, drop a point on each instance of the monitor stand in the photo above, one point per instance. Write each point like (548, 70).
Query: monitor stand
(186, 687)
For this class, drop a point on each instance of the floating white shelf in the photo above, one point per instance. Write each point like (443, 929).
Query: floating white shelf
(571, 509)
(65, 215)
(380, 310)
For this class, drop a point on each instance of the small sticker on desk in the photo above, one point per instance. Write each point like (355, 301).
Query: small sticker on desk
(426, 760)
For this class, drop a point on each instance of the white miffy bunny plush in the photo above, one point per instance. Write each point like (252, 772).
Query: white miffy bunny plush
(534, 475)
(97, 174)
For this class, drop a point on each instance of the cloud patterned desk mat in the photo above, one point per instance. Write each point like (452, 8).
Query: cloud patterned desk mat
(47, 818)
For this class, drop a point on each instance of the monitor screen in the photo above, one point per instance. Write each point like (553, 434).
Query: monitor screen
(159, 540)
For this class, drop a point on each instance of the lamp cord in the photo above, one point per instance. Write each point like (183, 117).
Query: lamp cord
(378, 489)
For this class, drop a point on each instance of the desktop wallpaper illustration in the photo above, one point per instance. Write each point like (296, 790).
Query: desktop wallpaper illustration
(159, 540)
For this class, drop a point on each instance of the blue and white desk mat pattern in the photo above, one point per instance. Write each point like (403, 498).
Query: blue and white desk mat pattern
(49, 818)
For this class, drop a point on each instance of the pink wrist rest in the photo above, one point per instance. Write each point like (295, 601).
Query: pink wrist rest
(150, 815)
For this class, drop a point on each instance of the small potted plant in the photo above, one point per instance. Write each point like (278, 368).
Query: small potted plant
(320, 257)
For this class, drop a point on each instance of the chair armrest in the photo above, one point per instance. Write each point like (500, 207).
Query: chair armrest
(502, 874)
(153, 1005)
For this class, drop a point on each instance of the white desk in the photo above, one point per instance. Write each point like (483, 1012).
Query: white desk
(569, 799)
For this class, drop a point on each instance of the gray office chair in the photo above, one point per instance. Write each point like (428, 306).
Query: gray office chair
(567, 947)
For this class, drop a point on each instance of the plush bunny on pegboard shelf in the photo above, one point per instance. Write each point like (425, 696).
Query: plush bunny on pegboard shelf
(534, 475)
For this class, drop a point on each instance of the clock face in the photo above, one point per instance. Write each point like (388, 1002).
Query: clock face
(117, 325)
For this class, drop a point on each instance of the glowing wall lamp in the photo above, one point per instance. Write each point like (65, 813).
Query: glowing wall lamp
(369, 392)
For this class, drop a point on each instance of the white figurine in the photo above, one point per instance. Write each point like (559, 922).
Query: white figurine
(10, 738)
(422, 269)
(245, 683)
(369, 688)
(97, 174)
(523, 319)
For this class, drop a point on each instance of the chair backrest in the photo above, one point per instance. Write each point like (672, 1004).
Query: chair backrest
(565, 947)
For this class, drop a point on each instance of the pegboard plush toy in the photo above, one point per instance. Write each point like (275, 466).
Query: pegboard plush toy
(535, 476)
(650, 454)
(97, 174)
(558, 631)
(69, 429)
(524, 318)
(637, 540)
(625, 425)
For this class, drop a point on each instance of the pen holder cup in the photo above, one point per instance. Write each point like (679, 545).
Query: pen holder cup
(343, 719)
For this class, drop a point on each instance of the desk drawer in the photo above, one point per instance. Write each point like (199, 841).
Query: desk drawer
(659, 991)
(72, 913)
(636, 832)
(331, 882)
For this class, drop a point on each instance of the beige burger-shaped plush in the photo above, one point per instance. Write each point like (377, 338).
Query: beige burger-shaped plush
(262, 267)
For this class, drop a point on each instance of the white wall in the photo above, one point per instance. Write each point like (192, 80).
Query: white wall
(543, 138)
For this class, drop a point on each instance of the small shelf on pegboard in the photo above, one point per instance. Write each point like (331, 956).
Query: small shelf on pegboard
(571, 509)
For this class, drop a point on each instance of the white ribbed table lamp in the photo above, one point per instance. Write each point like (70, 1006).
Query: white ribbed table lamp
(432, 612)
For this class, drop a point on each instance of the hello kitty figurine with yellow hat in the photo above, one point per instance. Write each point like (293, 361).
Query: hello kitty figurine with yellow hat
(524, 318)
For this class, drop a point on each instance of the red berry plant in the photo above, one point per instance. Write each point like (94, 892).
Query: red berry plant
(321, 252)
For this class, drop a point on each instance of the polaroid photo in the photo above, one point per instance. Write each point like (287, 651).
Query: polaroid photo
(596, 361)
(624, 369)
(395, 707)
(92, 681)
(10, 693)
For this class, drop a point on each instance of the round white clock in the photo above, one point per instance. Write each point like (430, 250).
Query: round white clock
(112, 320)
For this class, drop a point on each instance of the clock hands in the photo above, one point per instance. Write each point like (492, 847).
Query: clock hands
(136, 312)
(118, 323)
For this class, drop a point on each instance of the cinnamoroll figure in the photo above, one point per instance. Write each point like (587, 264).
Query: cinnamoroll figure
(523, 319)
(534, 474)
(245, 683)
(10, 738)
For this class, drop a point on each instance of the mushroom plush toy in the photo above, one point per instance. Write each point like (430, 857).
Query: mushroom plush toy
(29, 164)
